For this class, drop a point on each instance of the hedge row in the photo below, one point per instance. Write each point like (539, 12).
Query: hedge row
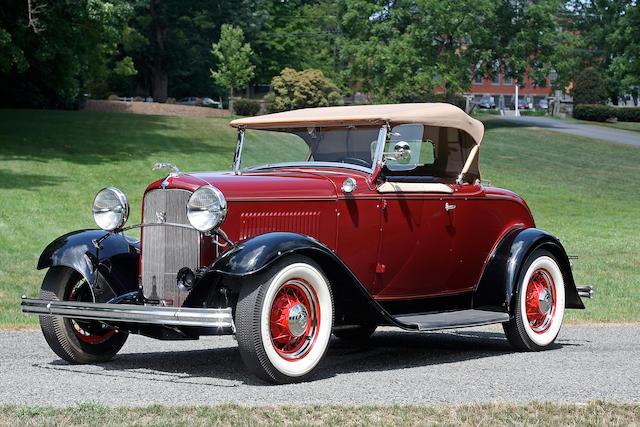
(602, 113)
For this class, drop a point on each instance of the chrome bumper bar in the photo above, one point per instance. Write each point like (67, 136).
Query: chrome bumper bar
(585, 291)
(175, 316)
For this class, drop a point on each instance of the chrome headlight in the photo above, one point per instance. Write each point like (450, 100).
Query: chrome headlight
(110, 209)
(207, 208)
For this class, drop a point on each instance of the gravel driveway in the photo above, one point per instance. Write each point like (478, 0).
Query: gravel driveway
(396, 367)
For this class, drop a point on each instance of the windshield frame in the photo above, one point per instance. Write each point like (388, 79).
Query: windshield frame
(376, 161)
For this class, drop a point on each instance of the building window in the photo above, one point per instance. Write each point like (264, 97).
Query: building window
(495, 73)
(477, 80)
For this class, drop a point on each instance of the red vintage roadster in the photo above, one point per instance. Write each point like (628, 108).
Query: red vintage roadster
(332, 221)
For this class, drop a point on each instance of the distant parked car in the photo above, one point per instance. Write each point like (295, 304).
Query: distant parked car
(486, 103)
(543, 104)
(191, 100)
(522, 105)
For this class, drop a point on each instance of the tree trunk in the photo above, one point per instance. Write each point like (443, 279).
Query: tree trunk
(160, 82)
(159, 77)
(231, 102)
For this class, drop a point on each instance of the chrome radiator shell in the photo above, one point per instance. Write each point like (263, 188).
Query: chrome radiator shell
(165, 250)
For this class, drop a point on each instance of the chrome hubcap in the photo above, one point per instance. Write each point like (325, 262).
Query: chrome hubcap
(544, 301)
(298, 320)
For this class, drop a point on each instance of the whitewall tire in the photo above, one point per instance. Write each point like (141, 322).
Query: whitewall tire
(284, 320)
(539, 304)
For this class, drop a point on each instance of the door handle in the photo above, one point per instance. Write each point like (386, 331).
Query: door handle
(448, 207)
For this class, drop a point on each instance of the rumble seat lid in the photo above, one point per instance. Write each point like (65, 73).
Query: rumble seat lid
(429, 114)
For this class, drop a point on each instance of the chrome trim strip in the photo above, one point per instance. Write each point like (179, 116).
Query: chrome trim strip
(309, 165)
(131, 313)
(238, 156)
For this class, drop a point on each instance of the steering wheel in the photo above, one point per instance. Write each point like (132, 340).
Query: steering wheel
(355, 161)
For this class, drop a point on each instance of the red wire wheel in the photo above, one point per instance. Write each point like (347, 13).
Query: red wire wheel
(540, 300)
(293, 319)
(87, 331)
(538, 308)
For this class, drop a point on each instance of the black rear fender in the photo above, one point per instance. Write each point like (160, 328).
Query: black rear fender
(497, 286)
(111, 270)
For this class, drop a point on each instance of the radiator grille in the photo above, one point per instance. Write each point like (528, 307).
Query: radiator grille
(165, 250)
(255, 223)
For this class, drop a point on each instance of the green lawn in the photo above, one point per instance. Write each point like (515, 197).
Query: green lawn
(548, 414)
(625, 126)
(53, 163)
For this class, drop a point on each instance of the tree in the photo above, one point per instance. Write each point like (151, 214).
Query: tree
(589, 88)
(596, 23)
(302, 89)
(625, 66)
(52, 53)
(169, 42)
(298, 35)
(234, 66)
(525, 38)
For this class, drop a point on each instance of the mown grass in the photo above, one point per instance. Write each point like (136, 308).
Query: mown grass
(624, 126)
(53, 163)
(548, 414)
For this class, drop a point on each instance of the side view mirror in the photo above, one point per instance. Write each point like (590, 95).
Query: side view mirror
(401, 151)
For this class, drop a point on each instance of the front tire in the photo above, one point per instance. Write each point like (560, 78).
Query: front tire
(76, 341)
(538, 304)
(284, 320)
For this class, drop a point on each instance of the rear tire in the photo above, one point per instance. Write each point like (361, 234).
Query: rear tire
(76, 341)
(538, 304)
(284, 320)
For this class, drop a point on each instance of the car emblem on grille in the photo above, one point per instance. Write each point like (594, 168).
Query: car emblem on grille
(161, 217)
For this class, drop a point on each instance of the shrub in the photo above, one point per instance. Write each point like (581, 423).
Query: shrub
(113, 97)
(138, 99)
(170, 101)
(493, 111)
(300, 89)
(628, 114)
(595, 113)
(246, 107)
(589, 88)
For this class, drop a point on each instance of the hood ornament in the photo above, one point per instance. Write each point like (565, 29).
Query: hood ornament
(174, 169)
(175, 172)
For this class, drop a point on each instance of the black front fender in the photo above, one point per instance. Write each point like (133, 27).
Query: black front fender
(238, 265)
(116, 262)
(500, 277)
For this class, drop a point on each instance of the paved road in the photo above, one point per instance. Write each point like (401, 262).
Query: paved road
(451, 367)
(580, 129)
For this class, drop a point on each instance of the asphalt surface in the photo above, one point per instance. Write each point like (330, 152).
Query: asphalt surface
(580, 129)
(395, 367)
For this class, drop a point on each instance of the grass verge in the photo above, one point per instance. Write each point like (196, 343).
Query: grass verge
(54, 162)
(549, 414)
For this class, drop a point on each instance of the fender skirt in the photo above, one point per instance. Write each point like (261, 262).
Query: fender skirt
(111, 270)
(496, 288)
(256, 254)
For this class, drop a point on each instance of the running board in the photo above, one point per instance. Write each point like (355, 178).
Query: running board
(451, 319)
(221, 318)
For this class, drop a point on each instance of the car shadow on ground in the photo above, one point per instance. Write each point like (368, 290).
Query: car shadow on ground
(386, 350)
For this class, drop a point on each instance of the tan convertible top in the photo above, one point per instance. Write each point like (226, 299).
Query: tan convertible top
(437, 114)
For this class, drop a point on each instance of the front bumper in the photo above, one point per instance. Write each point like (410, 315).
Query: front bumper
(219, 318)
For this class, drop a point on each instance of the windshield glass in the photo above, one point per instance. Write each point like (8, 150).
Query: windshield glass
(348, 145)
